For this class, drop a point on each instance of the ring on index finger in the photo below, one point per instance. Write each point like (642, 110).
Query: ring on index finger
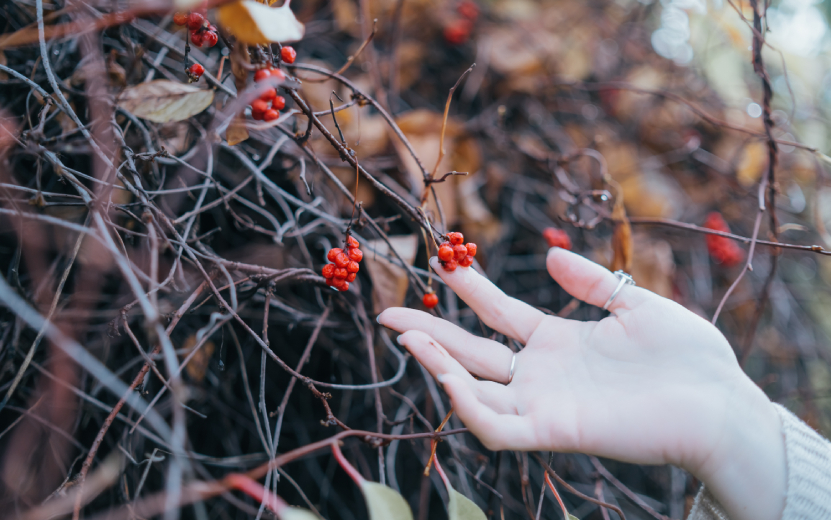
(624, 279)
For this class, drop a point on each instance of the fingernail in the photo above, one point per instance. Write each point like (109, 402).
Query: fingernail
(378, 319)
(398, 340)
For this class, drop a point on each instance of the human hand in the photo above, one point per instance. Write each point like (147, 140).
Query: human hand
(653, 383)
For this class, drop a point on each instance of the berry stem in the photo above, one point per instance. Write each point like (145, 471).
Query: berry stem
(347, 467)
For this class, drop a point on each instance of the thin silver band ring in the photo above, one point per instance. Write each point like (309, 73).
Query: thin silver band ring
(513, 364)
(625, 279)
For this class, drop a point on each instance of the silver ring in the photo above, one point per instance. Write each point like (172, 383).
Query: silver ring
(513, 364)
(625, 279)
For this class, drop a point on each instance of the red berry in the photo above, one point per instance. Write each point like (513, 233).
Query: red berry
(211, 38)
(459, 252)
(258, 105)
(269, 94)
(180, 18)
(467, 261)
(288, 54)
(197, 38)
(343, 286)
(271, 114)
(342, 260)
(455, 238)
(723, 250)
(256, 115)
(351, 277)
(458, 32)
(468, 9)
(333, 253)
(445, 252)
(196, 70)
(471, 248)
(279, 103)
(351, 242)
(341, 273)
(450, 265)
(355, 254)
(330, 281)
(262, 74)
(277, 73)
(195, 21)
(353, 267)
(557, 238)
(328, 271)
(430, 300)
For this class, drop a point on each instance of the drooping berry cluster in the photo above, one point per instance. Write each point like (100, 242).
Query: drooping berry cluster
(556, 238)
(202, 32)
(458, 31)
(455, 253)
(268, 106)
(430, 300)
(722, 249)
(345, 265)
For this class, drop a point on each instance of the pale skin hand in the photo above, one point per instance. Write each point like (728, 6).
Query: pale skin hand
(651, 384)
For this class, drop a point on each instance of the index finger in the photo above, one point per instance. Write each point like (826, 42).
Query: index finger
(514, 318)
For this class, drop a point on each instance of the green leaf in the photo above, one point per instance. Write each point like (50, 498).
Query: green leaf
(297, 513)
(384, 503)
(462, 508)
(572, 517)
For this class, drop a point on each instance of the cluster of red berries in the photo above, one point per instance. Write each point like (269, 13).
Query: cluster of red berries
(268, 106)
(722, 249)
(458, 32)
(455, 252)
(345, 265)
(202, 32)
(556, 238)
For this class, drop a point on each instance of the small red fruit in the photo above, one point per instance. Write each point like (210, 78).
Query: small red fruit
(330, 281)
(355, 254)
(271, 114)
(458, 32)
(288, 54)
(258, 105)
(333, 253)
(471, 248)
(351, 277)
(269, 94)
(262, 74)
(328, 271)
(195, 21)
(430, 300)
(557, 238)
(196, 70)
(197, 38)
(353, 267)
(445, 252)
(279, 103)
(211, 38)
(455, 238)
(467, 261)
(180, 18)
(468, 9)
(351, 242)
(343, 286)
(342, 260)
(723, 250)
(459, 252)
(450, 266)
(341, 273)
(256, 115)
(277, 73)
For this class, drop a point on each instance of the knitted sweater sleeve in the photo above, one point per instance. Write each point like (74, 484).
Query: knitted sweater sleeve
(808, 496)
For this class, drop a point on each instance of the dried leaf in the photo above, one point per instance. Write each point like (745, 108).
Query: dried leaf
(297, 513)
(163, 101)
(384, 503)
(462, 508)
(255, 23)
(621, 238)
(198, 365)
(389, 281)
(236, 132)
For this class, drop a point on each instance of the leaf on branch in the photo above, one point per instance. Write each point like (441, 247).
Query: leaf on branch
(389, 281)
(462, 508)
(297, 513)
(384, 503)
(163, 101)
(254, 23)
(237, 131)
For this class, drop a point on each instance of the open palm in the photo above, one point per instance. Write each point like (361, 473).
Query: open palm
(652, 383)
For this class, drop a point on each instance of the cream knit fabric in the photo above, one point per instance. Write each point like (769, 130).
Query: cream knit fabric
(808, 496)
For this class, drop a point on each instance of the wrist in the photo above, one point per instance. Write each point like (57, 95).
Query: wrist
(744, 464)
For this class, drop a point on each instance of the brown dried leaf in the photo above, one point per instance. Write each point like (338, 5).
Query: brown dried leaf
(621, 238)
(198, 365)
(236, 132)
(163, 101)
(389, 281)
(255, 23)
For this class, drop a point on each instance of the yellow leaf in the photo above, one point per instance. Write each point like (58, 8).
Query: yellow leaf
(236, 132)
(255, 23)
(384, 503)
(297, 513)
(163, 101)
(462, 508)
